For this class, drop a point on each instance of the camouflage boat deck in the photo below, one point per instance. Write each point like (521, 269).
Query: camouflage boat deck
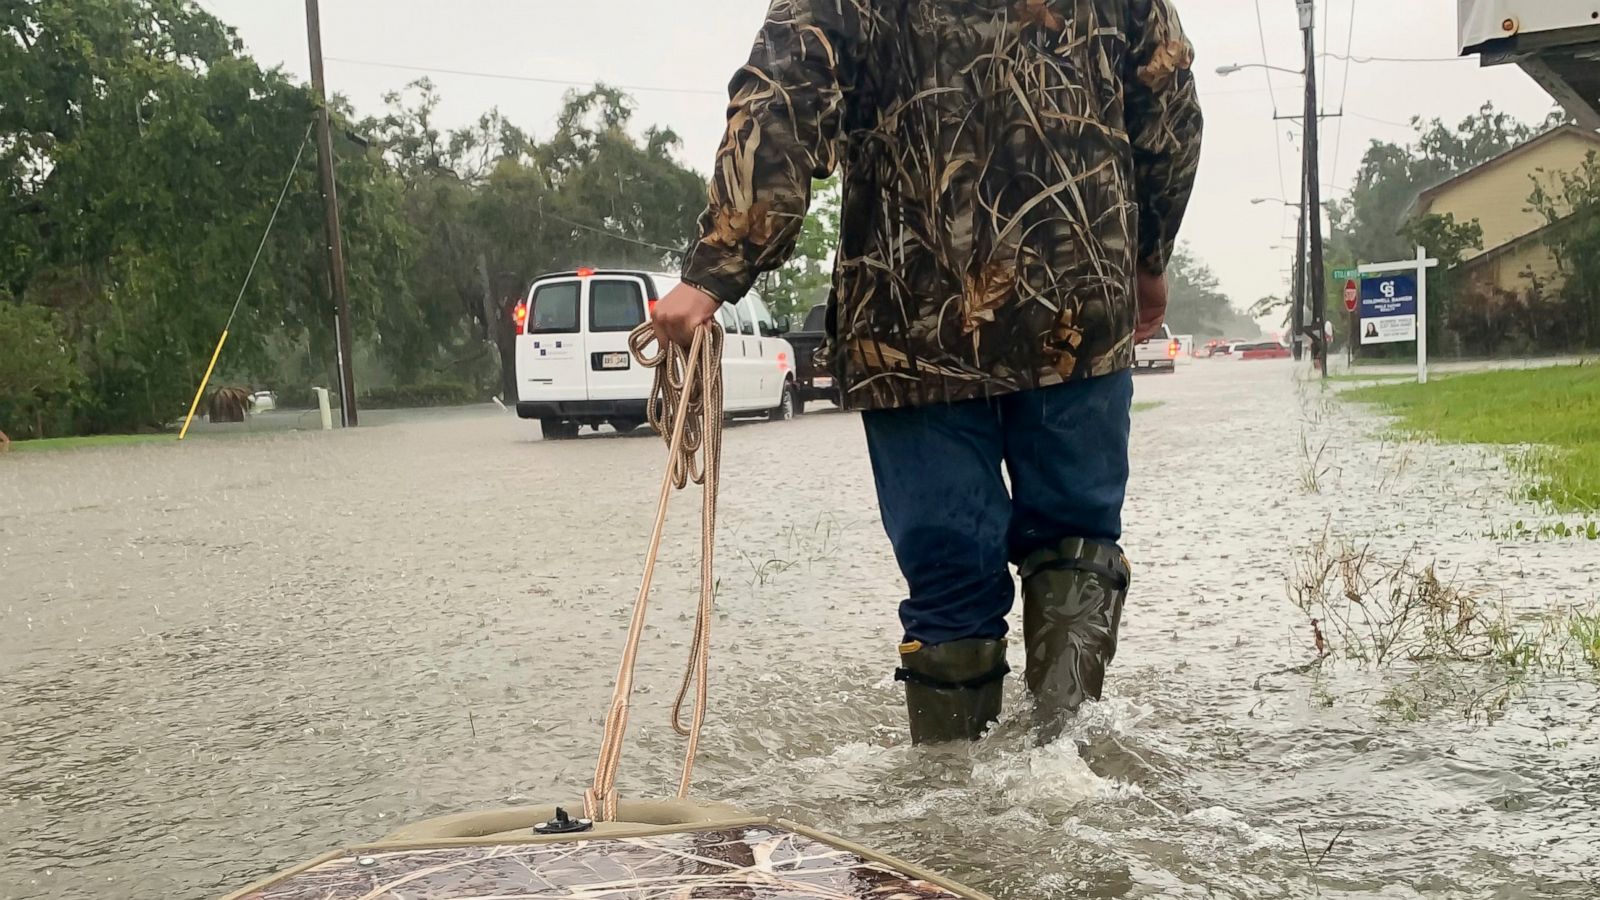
(759, 861)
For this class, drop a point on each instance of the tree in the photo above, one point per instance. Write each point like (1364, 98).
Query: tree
(36, 368)
(1447, 241)
(142, 154)
(1570, 202)
(1196, 304)
(805, 280)
(592, 195)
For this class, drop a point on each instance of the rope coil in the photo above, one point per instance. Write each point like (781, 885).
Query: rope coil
(685, 408)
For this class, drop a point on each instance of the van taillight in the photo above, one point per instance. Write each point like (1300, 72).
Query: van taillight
(520, 316)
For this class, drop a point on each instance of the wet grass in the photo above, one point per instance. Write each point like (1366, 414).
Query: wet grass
(1358, 377)
(93, 441)
(1556, 409)
(100, 441)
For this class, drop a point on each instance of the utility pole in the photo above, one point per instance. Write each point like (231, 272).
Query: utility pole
(1316, 276)
(330, 198)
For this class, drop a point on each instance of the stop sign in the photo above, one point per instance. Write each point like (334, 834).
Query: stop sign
(1352, 295)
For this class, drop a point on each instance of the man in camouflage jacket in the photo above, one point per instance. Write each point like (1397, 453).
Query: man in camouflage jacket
(1015, 173)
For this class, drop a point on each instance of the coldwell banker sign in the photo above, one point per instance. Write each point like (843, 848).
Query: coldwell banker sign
(1388, 309)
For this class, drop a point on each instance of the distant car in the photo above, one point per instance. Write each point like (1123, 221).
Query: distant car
(263, 401)
(1263, 350)
(1159, 353)
(811, 381)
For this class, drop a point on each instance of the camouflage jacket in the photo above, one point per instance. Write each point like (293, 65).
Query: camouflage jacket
(1007, 166)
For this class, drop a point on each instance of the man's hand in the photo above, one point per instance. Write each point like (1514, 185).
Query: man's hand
(680, 312)
(1152, 290)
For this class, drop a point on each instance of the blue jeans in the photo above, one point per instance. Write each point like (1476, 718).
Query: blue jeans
(948, 514)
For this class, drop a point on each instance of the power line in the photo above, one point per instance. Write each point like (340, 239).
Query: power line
(610, 234)
(1380, 121)
(1401, 59)
(294, 167)
(501, 76)
(1344, 93)
(1277, 135)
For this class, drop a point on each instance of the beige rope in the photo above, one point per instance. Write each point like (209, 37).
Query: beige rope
(686, 410)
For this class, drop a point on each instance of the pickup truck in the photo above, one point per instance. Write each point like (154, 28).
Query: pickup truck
(1159, 353)
(812, 382)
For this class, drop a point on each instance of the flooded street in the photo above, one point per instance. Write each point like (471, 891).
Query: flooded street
(219, 659)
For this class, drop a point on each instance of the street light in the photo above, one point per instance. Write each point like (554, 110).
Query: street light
(1239, 67)
(1260, 200)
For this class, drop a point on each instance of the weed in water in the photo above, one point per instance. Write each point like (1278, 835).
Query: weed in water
(1456, 646)
(1311, 468)
(1588, 530)
(1584, 629)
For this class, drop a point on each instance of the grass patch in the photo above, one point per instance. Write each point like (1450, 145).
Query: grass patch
(99, 441)
(1390, 376)
(1146, 407)
(91, 441)
(1556, 408)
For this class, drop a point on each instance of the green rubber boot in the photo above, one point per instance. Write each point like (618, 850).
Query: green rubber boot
(1072, 600)
(953, 690)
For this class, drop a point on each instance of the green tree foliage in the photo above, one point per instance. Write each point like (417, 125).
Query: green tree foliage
(1570, 201)
(1196, 304)
(141, 154)
(36, 367)
(592, 195)
(1448, 241)
(806, 280)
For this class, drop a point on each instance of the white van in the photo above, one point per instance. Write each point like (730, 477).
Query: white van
(574, 368)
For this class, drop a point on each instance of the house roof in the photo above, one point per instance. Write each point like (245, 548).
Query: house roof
(1427, 197)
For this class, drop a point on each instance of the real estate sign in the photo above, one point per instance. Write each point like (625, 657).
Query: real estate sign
(1389, 309)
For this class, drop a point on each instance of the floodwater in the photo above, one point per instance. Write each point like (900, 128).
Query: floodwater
(221, 658)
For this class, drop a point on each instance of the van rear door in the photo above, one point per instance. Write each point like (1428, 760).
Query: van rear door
(617, 305)
(550, 352)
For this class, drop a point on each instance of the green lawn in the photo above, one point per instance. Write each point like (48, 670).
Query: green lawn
(1357, 377)
(1557, 407)
(98, 440)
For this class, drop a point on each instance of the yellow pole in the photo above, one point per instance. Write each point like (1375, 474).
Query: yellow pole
(203, 382)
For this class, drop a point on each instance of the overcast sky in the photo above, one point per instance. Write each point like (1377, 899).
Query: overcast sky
(691, 47)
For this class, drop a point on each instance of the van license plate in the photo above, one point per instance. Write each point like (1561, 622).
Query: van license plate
(613, 361)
